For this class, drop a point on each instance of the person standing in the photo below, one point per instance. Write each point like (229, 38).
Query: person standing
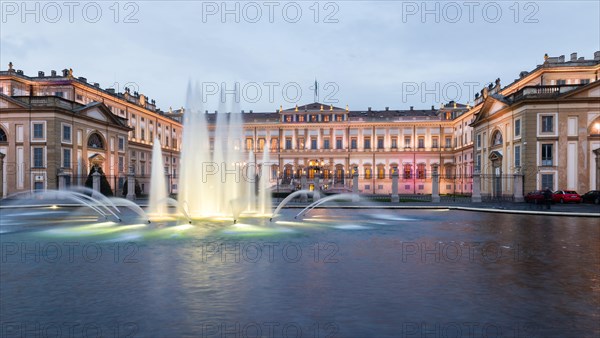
(548, 197)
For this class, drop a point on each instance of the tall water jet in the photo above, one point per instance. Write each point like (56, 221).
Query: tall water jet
(158, 185)
(264, 192)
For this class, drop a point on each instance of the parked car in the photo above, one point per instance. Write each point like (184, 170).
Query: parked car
(592, 196)
(566, 196)
(536, 197)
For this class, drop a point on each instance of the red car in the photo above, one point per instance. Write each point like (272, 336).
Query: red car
(566, 196)
(536, 197)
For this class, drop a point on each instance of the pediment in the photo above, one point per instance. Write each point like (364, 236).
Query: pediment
(96, 114)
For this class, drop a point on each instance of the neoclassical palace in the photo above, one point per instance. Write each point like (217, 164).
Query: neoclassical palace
(545, 126)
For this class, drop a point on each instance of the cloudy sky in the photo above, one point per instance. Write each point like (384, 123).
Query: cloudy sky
(362, 53)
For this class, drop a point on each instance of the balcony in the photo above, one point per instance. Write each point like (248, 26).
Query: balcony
(542, 91)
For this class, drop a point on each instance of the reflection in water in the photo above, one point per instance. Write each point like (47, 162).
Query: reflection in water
(399, 273)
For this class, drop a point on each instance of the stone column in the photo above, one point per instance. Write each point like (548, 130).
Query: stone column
(304, 186)
(1, 175)
(395, 196)
(476, 195)
(435, 185)
(518, 186)
(316, 192)
(131, 184)
(96, 181)
(355, 185)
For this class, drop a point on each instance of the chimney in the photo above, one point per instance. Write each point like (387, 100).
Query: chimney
(110, 90)
(216, 111)
(251, 111)
(411, 107)
(40, 74)
(369, 108)
(573, 56)
(82, 79)
(206, 112)
(52, 73)
(65, 72)
(96, 84)
(597, 55)
(561, 59)
(432, 107)
(20, 72)
(387, 108)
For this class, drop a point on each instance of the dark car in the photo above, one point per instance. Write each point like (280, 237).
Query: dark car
(566, 196)
(592, 196)
(535, 197)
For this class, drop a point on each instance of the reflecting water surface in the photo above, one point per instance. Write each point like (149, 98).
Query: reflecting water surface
(335, 273)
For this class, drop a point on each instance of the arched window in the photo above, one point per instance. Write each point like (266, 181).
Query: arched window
(95, 141)
(497, 139)
(3, 137)
(368, 172)
(380, 172)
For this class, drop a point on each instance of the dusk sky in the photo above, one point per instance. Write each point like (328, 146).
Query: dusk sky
(362, 53)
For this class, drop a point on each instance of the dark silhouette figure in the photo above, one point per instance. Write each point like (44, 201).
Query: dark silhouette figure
(548, 198)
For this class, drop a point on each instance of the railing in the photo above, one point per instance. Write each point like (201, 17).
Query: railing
(537, 91)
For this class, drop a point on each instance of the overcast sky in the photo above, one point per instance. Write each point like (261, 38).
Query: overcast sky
(362, 53)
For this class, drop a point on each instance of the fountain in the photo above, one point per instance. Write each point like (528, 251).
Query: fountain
(158, 185)
(215, 180)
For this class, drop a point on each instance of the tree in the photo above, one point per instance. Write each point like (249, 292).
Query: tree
(105, 188)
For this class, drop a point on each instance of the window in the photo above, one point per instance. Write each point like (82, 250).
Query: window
(261, 144)
(421, 142)
(407, 171)
(394, 143)
(380, 143)
(517, 156)
(367, 143)
(59, 94)
(547, 124)
(313, 118)
(95, 141)
(547, 181)
(340, 118)
(448, 142)
(143, 134)
(478, 163)
(380, 172)
(301, 143)
(434, 142)
(353, 143)
(326, 143)
(274, 144)
(288, 118)
(66, 133)
(547, 154)
(38, 130)
(3, 137)
(326, 118)
(561, 82)
(421, 171)
(497, 138)
(66, 158)
(288, 143)
(517, 127)
(313, 143)
(300, 118)
(338, 143)
(79, 97)
(38, 157)
(249, 144)
(121, 163)
(584, 81)
(407, 142)
(368, 173)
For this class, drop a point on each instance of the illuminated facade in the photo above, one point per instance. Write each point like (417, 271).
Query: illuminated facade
(544, 126)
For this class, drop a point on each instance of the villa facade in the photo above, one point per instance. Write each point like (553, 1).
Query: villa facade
(545, 126)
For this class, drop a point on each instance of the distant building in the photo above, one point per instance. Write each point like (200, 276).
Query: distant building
(57, 124)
